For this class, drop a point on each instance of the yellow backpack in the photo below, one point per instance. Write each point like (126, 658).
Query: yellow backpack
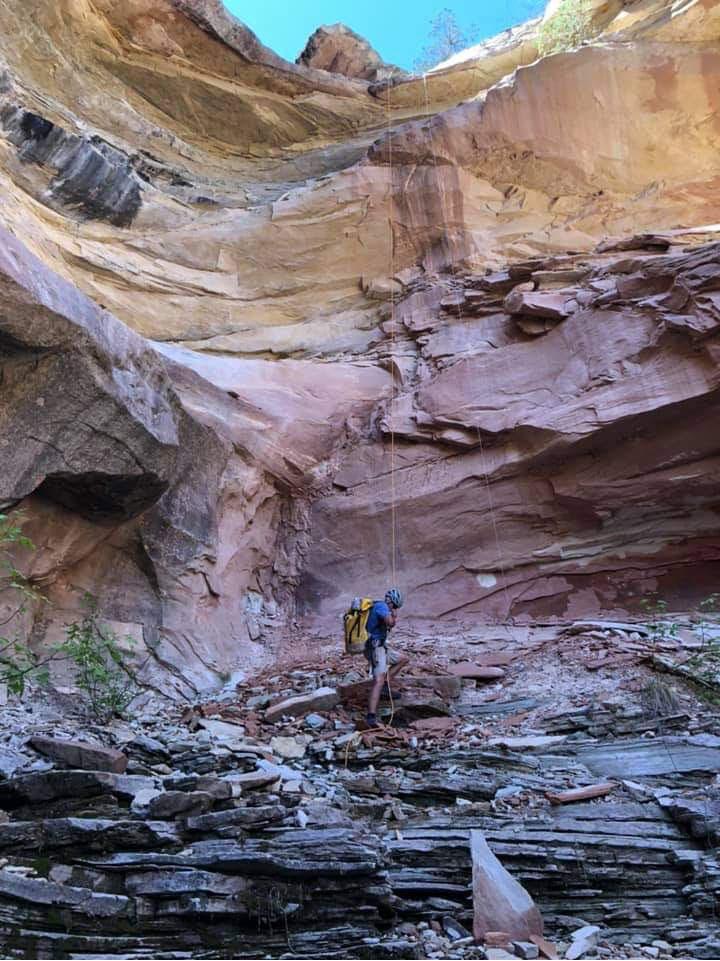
(355, 623)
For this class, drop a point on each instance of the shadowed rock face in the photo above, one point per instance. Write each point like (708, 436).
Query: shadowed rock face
(173, 490)
(227, 279)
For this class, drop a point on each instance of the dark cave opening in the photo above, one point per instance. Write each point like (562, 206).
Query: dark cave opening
(101, 497)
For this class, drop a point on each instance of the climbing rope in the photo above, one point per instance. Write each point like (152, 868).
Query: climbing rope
(424, 108)
(393, 396)
(391, 272)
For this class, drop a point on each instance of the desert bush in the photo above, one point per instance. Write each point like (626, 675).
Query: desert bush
(99, 662)
(567, 28)
(17, 661)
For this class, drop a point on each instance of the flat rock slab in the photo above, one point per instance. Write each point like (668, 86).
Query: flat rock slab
(39, 891)
(500, 903)
(496, 658)
(81, 755)
(447, 686)
(579, 627)
(478, 672)
(529, 742)
(85, 835)
(251, 780)
(434, 725)
(500, 707)
(245, 817)
(172, 804)
(323, 699)
(654, 756)
(49, 786)
(222, 730)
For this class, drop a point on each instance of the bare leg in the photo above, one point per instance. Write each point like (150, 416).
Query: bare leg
(396, 668)
(375, 692)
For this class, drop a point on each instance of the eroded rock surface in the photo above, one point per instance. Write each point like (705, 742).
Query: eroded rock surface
(286, 267)
(536, 455)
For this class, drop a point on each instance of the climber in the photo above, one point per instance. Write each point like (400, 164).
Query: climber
(381, 619)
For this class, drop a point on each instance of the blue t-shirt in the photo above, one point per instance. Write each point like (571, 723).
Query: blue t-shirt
(376, 626)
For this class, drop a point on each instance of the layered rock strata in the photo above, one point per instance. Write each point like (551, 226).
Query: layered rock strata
(541, 446)
(306, 838)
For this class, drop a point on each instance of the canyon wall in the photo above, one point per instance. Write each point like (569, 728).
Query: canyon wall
(259, 315)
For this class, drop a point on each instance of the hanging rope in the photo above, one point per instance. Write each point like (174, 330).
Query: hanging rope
(391, 272)
(424, 108)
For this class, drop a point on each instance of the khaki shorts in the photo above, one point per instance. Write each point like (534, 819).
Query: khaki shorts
(384, 656)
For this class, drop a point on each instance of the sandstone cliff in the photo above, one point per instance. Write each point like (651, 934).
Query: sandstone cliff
(238, 291)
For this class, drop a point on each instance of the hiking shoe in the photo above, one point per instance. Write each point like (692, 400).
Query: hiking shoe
(371, 720)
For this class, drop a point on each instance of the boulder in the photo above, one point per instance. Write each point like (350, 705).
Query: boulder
(500, 903)
(81, 755)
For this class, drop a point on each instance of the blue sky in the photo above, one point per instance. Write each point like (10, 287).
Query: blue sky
(398, 29)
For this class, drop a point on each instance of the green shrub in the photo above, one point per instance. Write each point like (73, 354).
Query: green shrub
(658, 627)
(17, 661)
(706, 662)
(100, 669)
(567, 28)
(92, 648)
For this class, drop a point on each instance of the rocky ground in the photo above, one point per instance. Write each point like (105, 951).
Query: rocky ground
(267, 823)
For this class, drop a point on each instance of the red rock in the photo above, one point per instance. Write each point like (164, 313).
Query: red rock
(338, 49)
(553, 305)
(447, 687)
(497, 939)
(476, 671)
(581, 793)
(433, 725)
(500, 903)
(547, 948)
(81, 755)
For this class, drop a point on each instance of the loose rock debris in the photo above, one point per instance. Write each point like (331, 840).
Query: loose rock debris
(269, 824)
